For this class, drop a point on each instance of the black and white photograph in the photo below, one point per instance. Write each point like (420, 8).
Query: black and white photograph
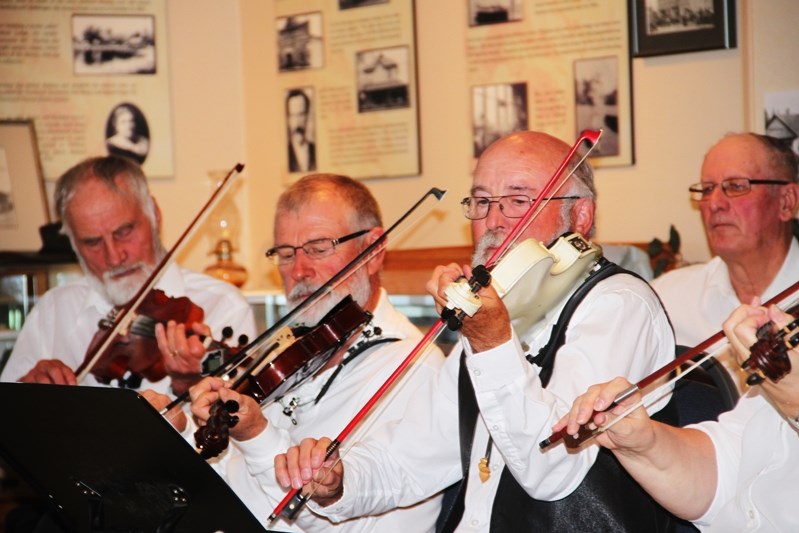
(497, 110)
(482, 12)
(348, 4)
(675, 26)
(300, 129)
(300, 42)
(127, 133)
(383, 77)
(781, 111)
(596, 94)
(670, 16)
(113, 44)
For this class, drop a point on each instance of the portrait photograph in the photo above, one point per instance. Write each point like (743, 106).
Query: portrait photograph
(483, 12)
(497, 110)
(112, 44)
(300, 42)
(299, 105)
(383, 79)
(596, 83)
(127, 133)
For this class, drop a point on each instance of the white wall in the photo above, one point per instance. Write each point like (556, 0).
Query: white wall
(227, 109)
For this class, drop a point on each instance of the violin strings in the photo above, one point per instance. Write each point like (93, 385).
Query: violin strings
(659, 392)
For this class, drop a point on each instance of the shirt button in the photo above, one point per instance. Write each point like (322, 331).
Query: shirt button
(495, 427)
(475, 522)
(476, 372)
(751, 514)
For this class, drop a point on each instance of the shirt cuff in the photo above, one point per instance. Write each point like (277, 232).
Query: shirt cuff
(259, 452)
(495, 368)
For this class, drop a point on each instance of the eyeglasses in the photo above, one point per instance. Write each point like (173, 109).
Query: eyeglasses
(512, 206)
(315, 249)
(731, 187)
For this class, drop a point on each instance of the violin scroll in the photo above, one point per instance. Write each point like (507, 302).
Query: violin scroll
(213, 437)
(768, 356)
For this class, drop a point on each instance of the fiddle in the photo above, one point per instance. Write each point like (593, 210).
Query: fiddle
(295, 499)
(300, 360)
(123, 320)
(768, 359)
(135, 355)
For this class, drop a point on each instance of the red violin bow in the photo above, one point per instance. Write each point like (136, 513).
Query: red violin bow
(294, 500)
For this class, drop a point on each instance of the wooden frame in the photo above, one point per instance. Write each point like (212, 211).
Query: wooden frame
(23, 200)
(672, 30)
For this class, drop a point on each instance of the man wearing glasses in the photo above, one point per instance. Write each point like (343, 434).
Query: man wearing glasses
(747, 197)
(619, 327)
(322, 223)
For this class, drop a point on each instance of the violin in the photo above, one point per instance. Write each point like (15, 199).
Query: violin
(302, 359)
(135, 355)
(466, 294)
(138, 361)
(768, 359)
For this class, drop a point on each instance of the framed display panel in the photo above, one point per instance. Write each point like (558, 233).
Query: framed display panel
(558, 67)
(348, 87)
(23, 201)
(660, 27)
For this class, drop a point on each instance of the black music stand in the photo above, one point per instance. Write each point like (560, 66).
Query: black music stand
(109, 462)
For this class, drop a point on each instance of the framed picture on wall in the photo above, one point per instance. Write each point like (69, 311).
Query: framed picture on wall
(23, 201)
(660, 27)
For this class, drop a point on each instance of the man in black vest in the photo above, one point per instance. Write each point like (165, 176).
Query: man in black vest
(492, 393)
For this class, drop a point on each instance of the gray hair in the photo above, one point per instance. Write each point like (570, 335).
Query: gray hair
(365, 211)
(107, 170)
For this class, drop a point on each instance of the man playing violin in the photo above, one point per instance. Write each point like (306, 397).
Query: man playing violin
(113, 224)
(618, 326)
(737, 474)
(322, 222)
(747, 196)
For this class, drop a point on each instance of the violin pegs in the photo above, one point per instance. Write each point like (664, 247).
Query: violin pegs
(227, 332)
(481, 275)
(243, 340)
(754, 379)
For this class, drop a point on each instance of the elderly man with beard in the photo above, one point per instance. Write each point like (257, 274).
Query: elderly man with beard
(322, 223)
(113, 224)
(510, 485)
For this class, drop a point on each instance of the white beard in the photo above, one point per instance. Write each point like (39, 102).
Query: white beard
(119, 291)
(358, 287)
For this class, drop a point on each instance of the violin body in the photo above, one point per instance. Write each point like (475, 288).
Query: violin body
(134, 354)
(310, 351)
(294, 364)
(530, 268)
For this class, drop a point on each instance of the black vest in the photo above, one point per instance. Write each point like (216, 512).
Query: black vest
(608, 499)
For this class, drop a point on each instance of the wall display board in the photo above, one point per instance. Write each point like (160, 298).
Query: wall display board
(560, 66)
(93, 76)
(347, 78)
(23, 205)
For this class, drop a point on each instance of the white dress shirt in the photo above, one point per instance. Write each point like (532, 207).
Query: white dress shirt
(699, 298)
(757, 458)
(249, 466)
(618, 329)
(63, 322)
